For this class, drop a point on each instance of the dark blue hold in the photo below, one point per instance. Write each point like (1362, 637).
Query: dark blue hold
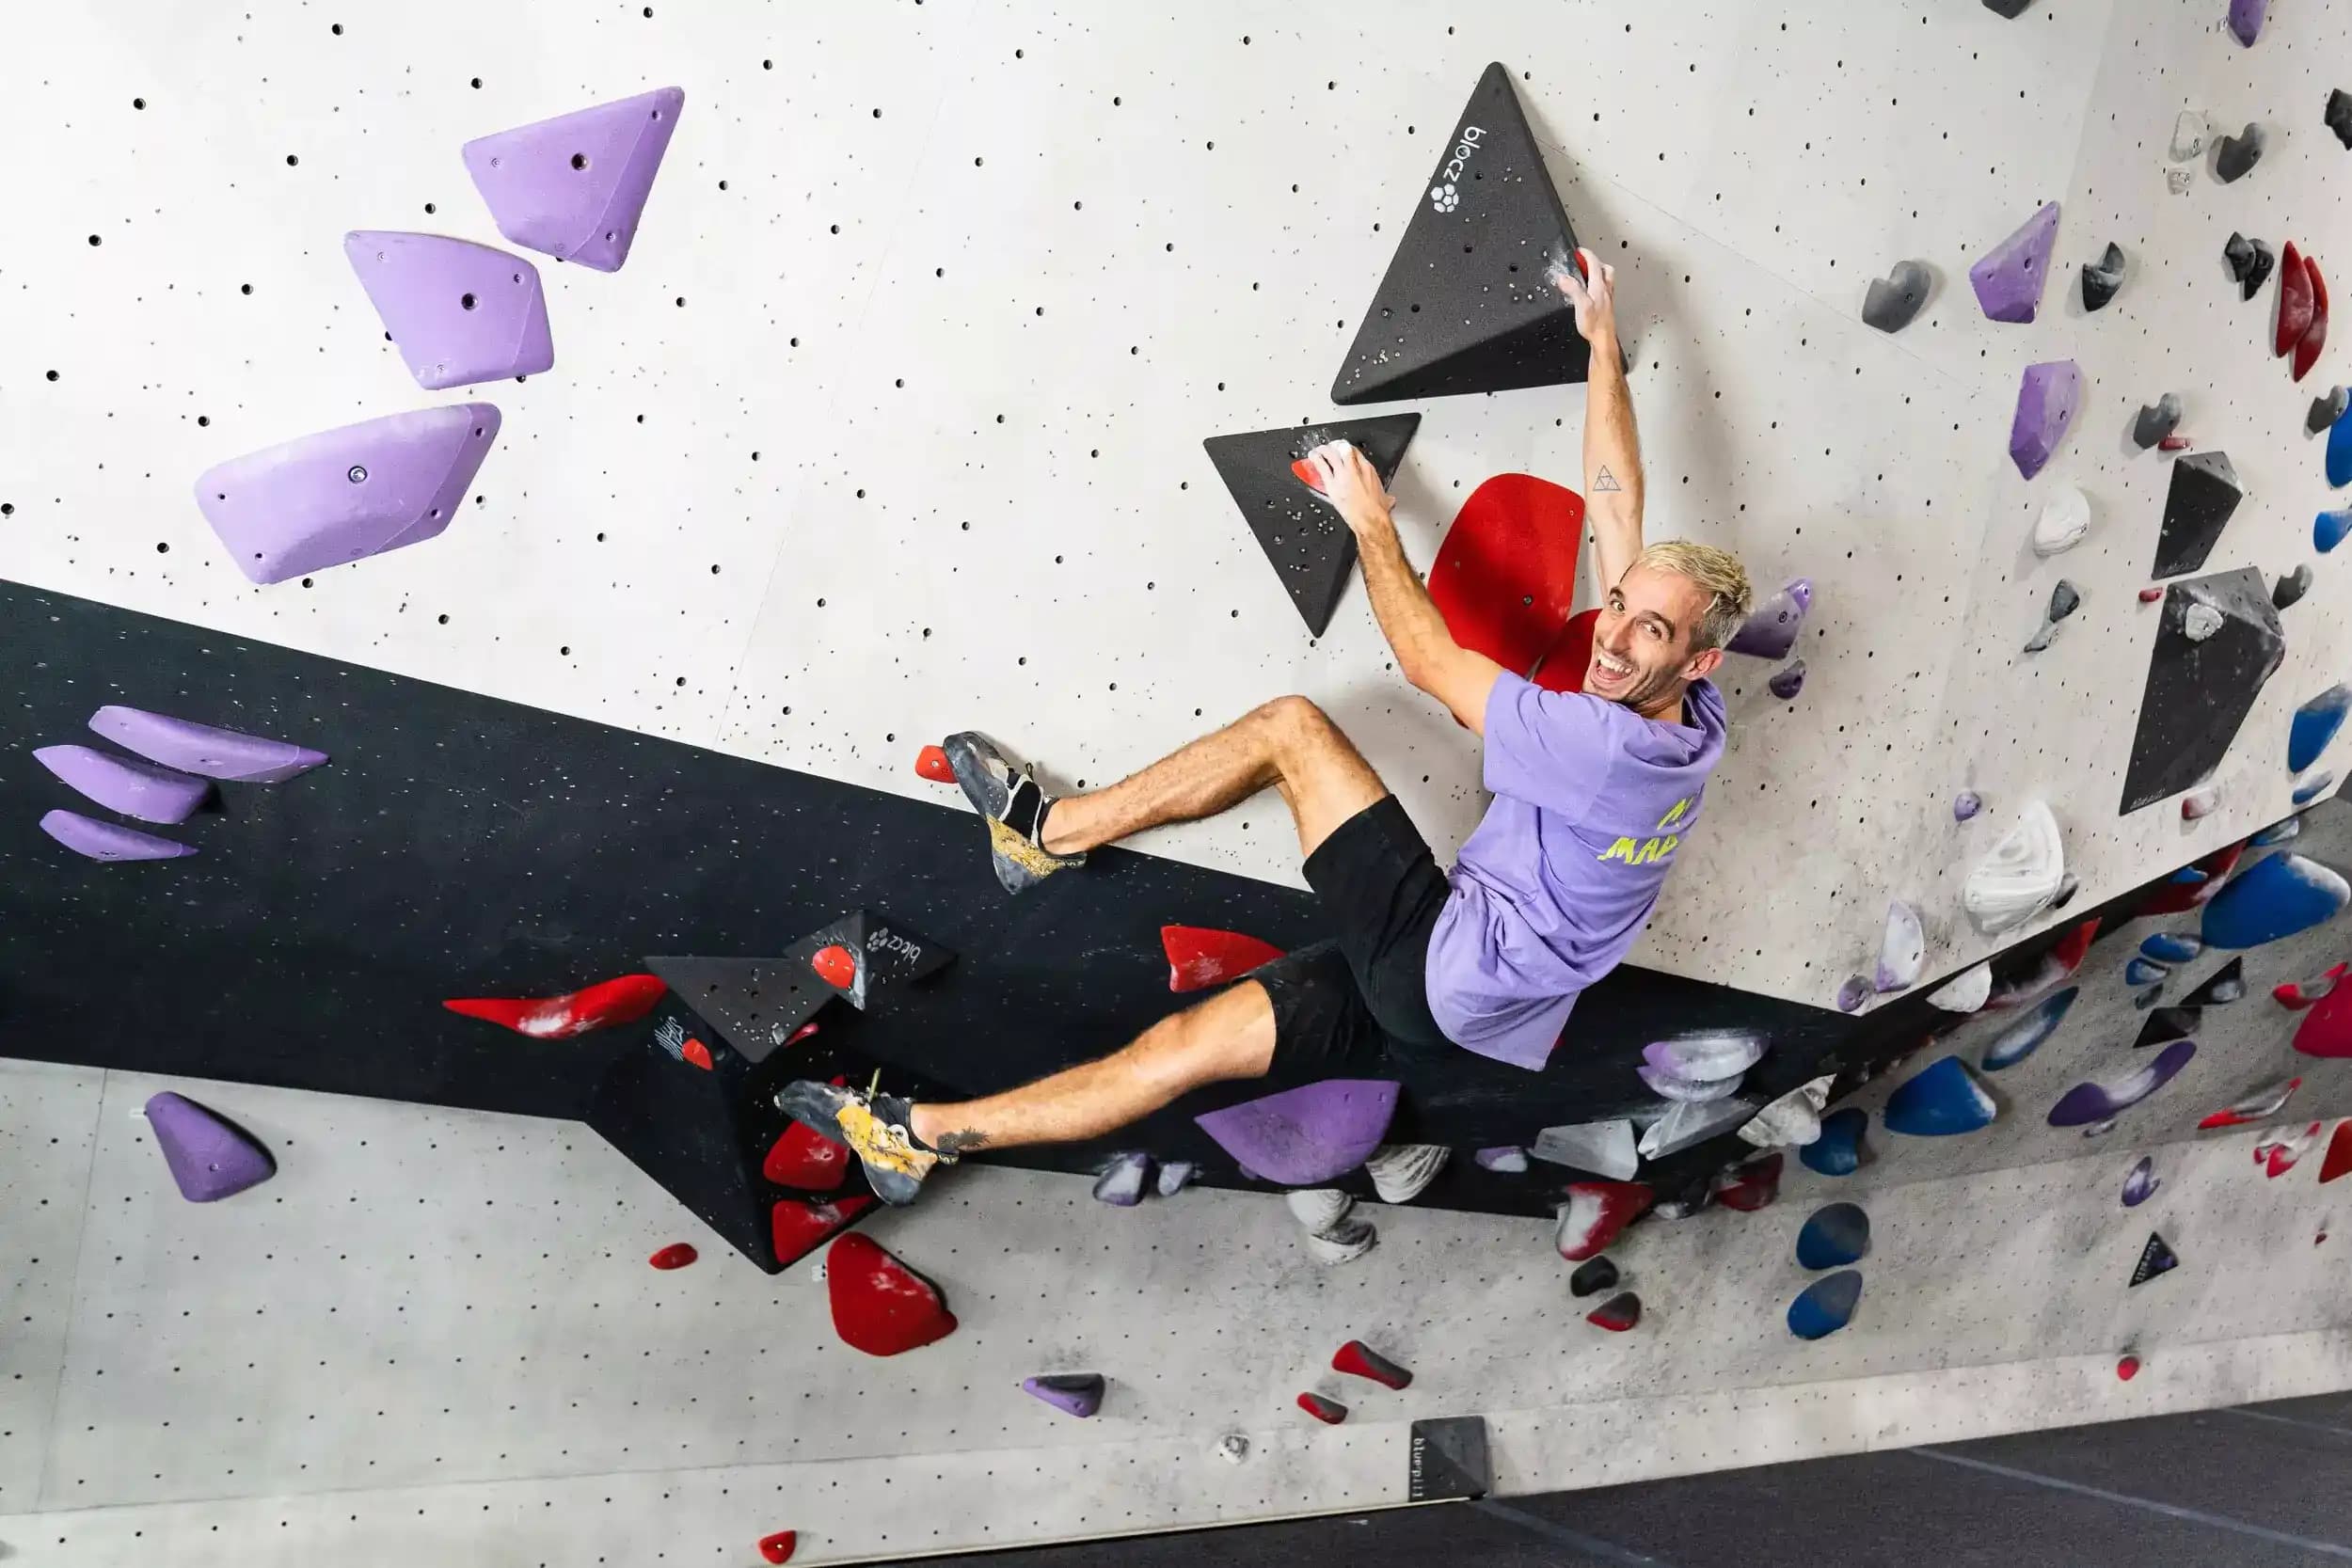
(2328, 528)
(2023, 1037)
(1836, 1235)
(1839, 1150)
(2172, 947)
(2313, 788)
(2143, 972)
(2315, 724)
(2277, 896)
(2340, 450)
(1938, 1101)
(2189, 875)
(1826, 1305)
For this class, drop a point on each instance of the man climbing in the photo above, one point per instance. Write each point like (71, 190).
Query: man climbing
(1593, 793)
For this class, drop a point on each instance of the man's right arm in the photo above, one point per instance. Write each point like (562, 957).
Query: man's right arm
(1612, 450)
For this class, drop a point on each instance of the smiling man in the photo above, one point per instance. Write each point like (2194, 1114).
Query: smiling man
(1593, 795)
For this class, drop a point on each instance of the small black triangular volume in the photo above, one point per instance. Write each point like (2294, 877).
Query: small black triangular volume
(754, 1004)
(2224, 986)
(1449, 1459)
(1469, 305)
(2154, 1258)
(882, 956)
(1311, 551)
(2167, 1025)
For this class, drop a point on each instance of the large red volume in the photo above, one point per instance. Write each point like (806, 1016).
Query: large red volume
(1505, 574)
(559, 1018)
(2294, 301)
(806, 1159)
(1199, 957)
(2314, 338)
(797, 1227)
(1569, 659)
(880, 1306)
(2327, 1029)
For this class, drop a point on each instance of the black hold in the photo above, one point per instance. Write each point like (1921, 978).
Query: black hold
(1592, 1276)
(2326, 410)
(2204, 493)
(2224, 986)
(2249, 260)
(2101, 279)
(2064, 600)
(2167, 1025)
(2010, 9)
(2291, 587)
(2339, 116)
(1447, 1458)
(755, 1005)
(2154, 1258)
(2199, 691)
(1311, 551)
(1894, 299)
(2157, 421)
(1469, 302)
(2236, 156)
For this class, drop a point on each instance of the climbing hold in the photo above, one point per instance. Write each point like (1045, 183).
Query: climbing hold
(2200, 690)
(2140, 1182)
(2021, 874)
(2199, 802)
(2009, 277)
(1835, 1236)
(1825, 1305)
(866, 957)
(2089, 1102)
(1121, 1182)
(1358, 1359)
(2296, 995)
(1902, 948)
(1592, 1276)
(2276, 897)
(778, 1547)
(134, 788)
(2102, 278)
(2154, 1258)
(1894, 300)
(2314, 725)
(2063, 958)
(1603, 1147)
(2280, 1151)
(1330, 1411)
(2172, 947)
(1690, 1122)
(1966, 992)
(202, 750)
(2325, 411)
(2065, 518)
(1772, 630)
(210, 1157)
(2309, 347)
(1617, 1314)
(1199, 957)
(2235, 157)
(1967, 804)
(343, 494)
(2041, 639)
(2064, 600)
(2189, 128)
(694, 1051)
(1705, 1054)
(880, 1306)
(2204, 493)
(1310, 548)
(2157, 421)
(573, 187)
(1504, 577)
(2246, 20)
(1839, 1150)
(2338, 1160)
(109, 841)
(1078, 1394)
(2296, 301)
(806, 1159)
(836, 965)
(1308, 1135)
(1697, 1091)
(2150, 595)
(931, 763)
(2128, 1368)
(2327, 1029)
(2167, 1025)
(2290, 588)
(561, 1018)
(2146, 999)
(2339, 116)
(2021, 1039)
(2224, 986)
(797, 1227)
(1852, 993)
(675, 1256)
(1569, 658)
(1940, 1101)
(2046, 401)
(2330, 527)
(1792, 1120)
(1592, 1214)
(1506, 1159)
(1399, 1172)
(2010, 9)
(1318, 1209)
(2249, 262)
(2260, 1105)
(1751, 1185)
(1787, 681)
(2278, 832)
(459, 312)
(1174, 1177)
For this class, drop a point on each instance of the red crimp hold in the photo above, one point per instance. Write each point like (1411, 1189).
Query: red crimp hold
(1330, 1411)
(1617, 1314)
(675, 1256)
(559, 1018)
(1750, 1186)
(1594, 1214)
(797, 1227)
(2150, 595)
(1358, 1359)
(880, 1306)
(2128, 1368)
(1309, 475)
(1199, 957)
(778, 1547)
(2176, 442)
(931, 763)
(836, 965)
(696, 1051)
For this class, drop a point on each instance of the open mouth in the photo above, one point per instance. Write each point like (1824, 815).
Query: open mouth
(1608, 670)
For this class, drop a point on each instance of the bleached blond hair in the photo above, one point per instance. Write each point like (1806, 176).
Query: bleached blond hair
(1719, 573)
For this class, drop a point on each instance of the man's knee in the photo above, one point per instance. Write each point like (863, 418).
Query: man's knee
(1230, 1035)
(1297, 723)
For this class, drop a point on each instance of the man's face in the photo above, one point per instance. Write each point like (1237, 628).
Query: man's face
(1641, 642)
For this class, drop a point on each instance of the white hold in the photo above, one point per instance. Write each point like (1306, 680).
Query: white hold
(1694, 1091)
(2200, 620)
(1794, 1119)
(1232, 1447)
(1319, 1209)
(1603, 1147)
(1903, 948)
(2063, 522)
(1690, 1122)
(2199, 802)
(1343, 1243)
(2176, 181)
(1965, 992)
(1504, 1158)
(1716, 1054)
(2189, 135)
(2019, 877)
(1400, 1171)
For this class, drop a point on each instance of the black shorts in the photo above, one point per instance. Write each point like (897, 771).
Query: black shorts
(1356, 1005)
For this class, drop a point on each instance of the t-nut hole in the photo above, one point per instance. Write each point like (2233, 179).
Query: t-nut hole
(466, 301)
(357, 474)
(580, 160)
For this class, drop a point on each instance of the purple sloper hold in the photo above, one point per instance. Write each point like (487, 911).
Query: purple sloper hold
(1967, 804)
(1772, 630)
(2087, 1105)
(2009, 277)
(1078, 1394)
(2246, 20)
(459, 312)
(344, 495)
(2046, 401)
(1787, 681)
(201, 749)
(107, 841)
(139, 789)
(209, 1159)
(1306, 1136)
(573, 187)
(1509, 1158)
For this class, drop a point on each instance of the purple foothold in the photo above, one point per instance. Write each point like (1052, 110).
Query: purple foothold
(2046, 401)
(1122, 1181)
(343, 494)
(2246, 18)
(573, 187)
(209, 1159)
(1078, 1394)
(1175, 1177)
(2087, 1105)
(459, 312)
(1787, 681)
(2009, 277)
(107, 841)
(1509, 1158)
(1306, 1136)
(1850, 995)
(1967, 804)
(201, 749)
(139, 789)
(1772, 630)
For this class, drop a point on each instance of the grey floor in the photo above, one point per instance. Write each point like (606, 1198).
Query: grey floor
(2267, 1486)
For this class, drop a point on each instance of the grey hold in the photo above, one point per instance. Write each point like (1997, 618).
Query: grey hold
(1788, 681)
(2157, 421)
(2326, 411)
(2200, 620)
(2064, 600)
(2249, 260)
(2291, 587)
(2101, 281)
(2340, 115)
(1894, 299)
(2189, 135)
(2010, 9)
(2236, 156)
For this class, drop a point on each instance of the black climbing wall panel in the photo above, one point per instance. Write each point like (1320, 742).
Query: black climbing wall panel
(2200, 690)
(1310, 548)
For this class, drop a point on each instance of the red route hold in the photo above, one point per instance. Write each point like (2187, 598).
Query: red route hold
(2327, 1029)
(2314, 338)
(1199, 957)
(931, 763)
(778, 1547)
(559, 1018)
(1330, 1411)
(696, 1051)
(1358, 1359)
(1617, 1314)
(880, 1306)
(836, 965)
(1505, 574)
(796, 1228)
(806, 1161)
(2296, 301)
(2338, 1160)
(2291, 995)
(675, 1256)
(2128, 1368)
(1571, 658)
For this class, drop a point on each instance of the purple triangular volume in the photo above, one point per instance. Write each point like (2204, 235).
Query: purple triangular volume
(2046, 402)
(344, 495)
(2246, 18)
(1307, 1136)
(2009, 277)
(134, 788)
(573, 187)
(109, 840)
(1077, 1394)
(209, 1159)
(216, 754)
(459, 312)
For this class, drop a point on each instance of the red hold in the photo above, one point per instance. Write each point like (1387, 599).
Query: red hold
(675, 1256)
(778, 1547)
(1358, 1359)
(1505, 574)
(1330, 1411)
(1617, 1314)
(2128, 1368)
(2338, 1160)
(696, 1051)
(1570, 656)
(2294, 301)
(806, 1161)
(796, 1228)
(2327, 1029)
(2175, 442)
(1309, 475)
(1199, 957)
(1595, 1214)
(836, 965)
(559, 1018)
(880, 1306)
(1751, 1186)
(2296, 995)
(931, 763)
(2150, 595)
(2308, 347)
(2178, 897)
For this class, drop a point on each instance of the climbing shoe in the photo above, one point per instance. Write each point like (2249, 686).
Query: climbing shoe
(1009, 800)
(873, 1126)
(1399, 1172)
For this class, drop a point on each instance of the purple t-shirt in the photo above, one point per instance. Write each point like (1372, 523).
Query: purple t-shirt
(1591, 800)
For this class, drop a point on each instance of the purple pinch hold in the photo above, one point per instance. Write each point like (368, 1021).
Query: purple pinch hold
(107, 841)
(201, 748)
(139, 790)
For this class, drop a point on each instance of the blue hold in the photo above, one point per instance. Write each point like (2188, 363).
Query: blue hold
(2340, 450)
(2023, 1037)
(2278, 832)
(1826, 1305)
(2328, 529)
(2143, 972)
(2312, 788)
(2315, 724)
(1940, 1102)
(1839, 1150)
(2172, 947)
(1836, 1235)
(2277, 896)
(2188, 875)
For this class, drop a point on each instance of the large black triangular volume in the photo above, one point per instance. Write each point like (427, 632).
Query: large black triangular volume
(2167, 1025)
(754, 1004)
(1311, 551)
(1448, 1459)
(2224, 986)
(2154, 1258)
(885, 954)
(2199, 688)
(1468, 305)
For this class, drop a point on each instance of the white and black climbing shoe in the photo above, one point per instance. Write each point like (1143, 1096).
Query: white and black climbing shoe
(1009, 800)
(1399, 1172)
